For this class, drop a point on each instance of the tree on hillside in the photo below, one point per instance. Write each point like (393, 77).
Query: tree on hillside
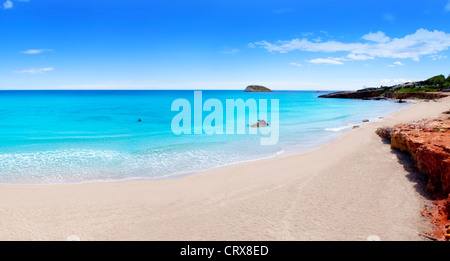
(436, 80)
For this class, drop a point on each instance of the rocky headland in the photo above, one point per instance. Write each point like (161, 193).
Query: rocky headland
(428, 143)
(433, 88)
(354, 94)
(382, 94)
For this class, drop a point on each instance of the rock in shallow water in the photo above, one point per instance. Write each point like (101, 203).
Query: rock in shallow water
(260, 123)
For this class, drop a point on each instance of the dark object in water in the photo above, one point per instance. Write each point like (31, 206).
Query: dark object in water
(139, 120)
(401, 101)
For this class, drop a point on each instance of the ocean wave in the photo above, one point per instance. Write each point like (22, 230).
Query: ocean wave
(280, 152)
(85, 165)
(337, 129)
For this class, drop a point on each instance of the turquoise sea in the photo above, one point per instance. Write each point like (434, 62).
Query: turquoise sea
(86, 136)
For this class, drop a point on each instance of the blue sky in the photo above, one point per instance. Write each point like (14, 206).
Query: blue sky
(222, 44)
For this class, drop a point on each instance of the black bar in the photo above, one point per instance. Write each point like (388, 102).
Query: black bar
(225, 250)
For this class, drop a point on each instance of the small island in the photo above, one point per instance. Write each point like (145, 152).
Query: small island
(257, 88)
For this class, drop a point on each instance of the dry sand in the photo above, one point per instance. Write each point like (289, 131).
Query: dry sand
(349, 189)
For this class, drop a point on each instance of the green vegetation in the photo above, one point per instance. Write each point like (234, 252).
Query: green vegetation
(385, 88)
(439, 129)
(434, 84)
(428, 89)
(436, 80)
(418, 95)
(419, 89)
(368, 89)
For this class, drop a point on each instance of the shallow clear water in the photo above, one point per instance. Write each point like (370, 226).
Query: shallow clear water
(82, 136)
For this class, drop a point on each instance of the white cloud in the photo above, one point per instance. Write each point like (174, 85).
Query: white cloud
(334, 61)
(398, 63)
(36, 51)
(438, 57)
(8, 4)
(447, 7)
(360, 57)
(306, 45)
(378, 37)
(296, 64)
(305, 34)
(413, 46)
(36, 71)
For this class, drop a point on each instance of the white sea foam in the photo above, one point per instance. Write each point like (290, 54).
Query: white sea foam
(341, 128)
(79, 165)
(280, 152)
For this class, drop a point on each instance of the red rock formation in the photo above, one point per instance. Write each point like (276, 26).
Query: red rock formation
(438, 214)
(428, 142)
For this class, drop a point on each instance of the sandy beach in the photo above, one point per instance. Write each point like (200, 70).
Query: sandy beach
(349, 189)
